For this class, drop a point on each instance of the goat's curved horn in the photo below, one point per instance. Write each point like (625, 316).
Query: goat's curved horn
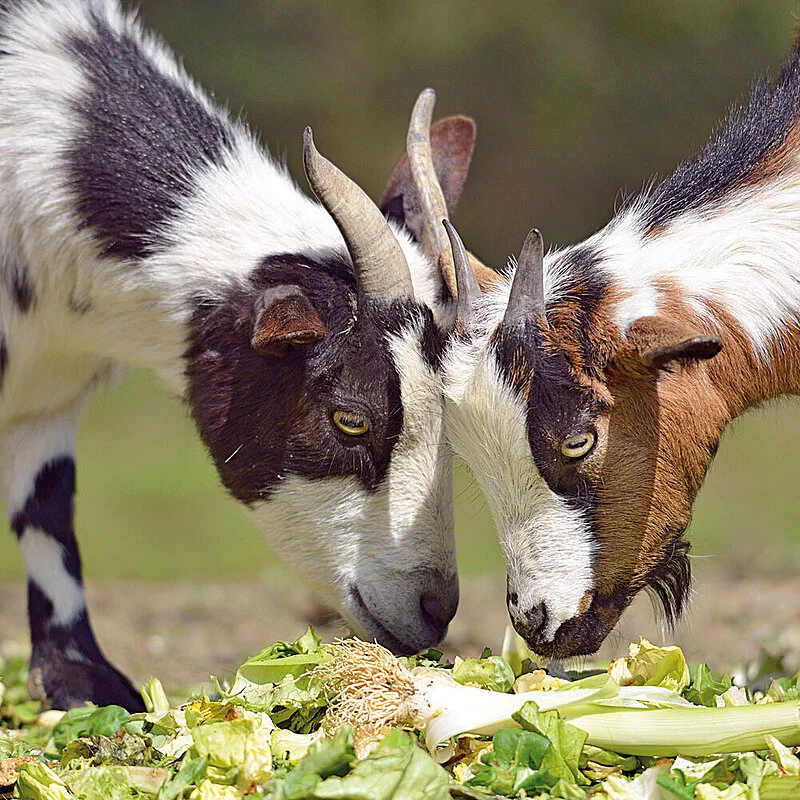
(468, 289)
(431, 198)
(526, 299)
(380, 265)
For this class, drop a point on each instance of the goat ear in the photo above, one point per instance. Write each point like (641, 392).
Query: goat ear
(659, 340)
(452, 145)
(284, 317)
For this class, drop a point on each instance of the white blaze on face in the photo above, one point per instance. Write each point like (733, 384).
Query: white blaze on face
(338, 536)
(547, 545)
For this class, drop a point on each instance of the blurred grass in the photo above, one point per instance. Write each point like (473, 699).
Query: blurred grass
(149, 504)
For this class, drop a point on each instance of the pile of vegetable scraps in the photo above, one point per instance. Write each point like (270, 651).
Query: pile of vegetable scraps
(348, 720)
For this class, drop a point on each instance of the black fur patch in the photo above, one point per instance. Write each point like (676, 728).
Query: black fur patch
(143, 135)
(394, 210)
(49, 508)
(79, 634)
(22, 290)
(671, 580)
(557, 407)
(743, 142)
(65, 682)
(68, 683)
(263, 417)
(3, 360)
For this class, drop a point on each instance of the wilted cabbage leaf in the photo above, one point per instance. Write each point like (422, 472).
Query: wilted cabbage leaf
(397, 770)
(648, 665)
(89, 720)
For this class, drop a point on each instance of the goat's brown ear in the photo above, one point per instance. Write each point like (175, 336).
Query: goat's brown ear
(452, 145)
(659, 340)
(284, 317)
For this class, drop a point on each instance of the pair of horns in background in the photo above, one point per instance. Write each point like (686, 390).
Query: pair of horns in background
(526, 298)
(380, 266)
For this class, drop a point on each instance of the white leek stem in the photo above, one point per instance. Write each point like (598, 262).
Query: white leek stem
(371, 690)
(445, 708)
(698, 731)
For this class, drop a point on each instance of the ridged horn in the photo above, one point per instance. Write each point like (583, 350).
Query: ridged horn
(431, 198)
(379, 262)
(468, 289)
(526, 299)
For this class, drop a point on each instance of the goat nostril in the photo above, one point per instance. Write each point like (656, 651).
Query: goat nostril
(435, 609)
(536, 620)
(512, 599)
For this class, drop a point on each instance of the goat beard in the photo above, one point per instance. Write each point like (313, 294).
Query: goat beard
(669, 582)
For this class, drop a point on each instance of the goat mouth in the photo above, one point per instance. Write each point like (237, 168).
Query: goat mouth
(376, 629)
(583, 634)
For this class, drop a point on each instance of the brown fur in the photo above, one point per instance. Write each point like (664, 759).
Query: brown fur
(285, 318)
(452, 145)
(658, 429)
(519, 374)
(487, 277)
(571, 326)
(659, 438)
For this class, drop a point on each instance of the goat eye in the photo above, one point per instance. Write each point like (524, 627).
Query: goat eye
(577, 446)
(351, 423)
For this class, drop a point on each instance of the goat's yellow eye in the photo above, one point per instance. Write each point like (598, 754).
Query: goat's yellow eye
(350, 422)
(577, 446)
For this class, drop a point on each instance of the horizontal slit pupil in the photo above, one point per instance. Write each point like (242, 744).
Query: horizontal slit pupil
(350, 424)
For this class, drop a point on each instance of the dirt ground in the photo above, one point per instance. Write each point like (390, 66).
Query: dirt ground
(182, 632)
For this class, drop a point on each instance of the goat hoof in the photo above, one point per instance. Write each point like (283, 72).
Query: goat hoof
(63, 684)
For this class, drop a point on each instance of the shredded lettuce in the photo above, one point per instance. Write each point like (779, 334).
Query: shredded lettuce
(262, 737)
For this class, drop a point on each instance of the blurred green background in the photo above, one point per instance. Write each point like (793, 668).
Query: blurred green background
(576, 103)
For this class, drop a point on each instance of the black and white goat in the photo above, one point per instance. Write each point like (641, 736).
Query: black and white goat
(140, 225)
(589, 396)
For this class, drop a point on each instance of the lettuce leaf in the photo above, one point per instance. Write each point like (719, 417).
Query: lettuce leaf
(705, 689)
(562, 758)
(396, 770)
(648, 665)
(36, 781)
(89, 720)
(492, 672)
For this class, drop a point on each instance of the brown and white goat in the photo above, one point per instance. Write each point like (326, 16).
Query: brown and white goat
(141, 225)
(589, 395)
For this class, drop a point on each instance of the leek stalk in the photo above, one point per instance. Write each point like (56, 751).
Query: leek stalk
(371, 690)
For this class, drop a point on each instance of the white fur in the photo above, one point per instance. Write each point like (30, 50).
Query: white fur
(740, 253)
(27, 448)
(245, 210)
(384, 543)
(547, 546)
(44, 564)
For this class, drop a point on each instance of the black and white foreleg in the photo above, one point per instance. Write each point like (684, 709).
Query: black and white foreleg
(67, 667)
